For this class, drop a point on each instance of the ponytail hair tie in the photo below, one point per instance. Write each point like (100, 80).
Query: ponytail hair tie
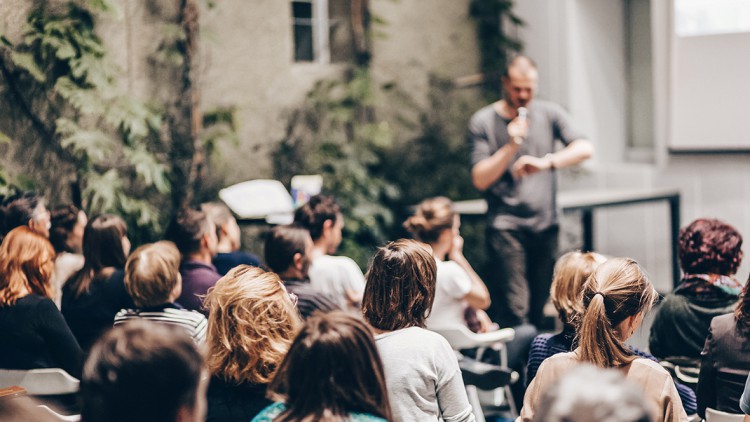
(599, 293)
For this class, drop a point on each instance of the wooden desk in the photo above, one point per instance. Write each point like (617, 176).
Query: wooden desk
(587, 201)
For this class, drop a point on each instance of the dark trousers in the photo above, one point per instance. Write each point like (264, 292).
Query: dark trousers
(521, 264)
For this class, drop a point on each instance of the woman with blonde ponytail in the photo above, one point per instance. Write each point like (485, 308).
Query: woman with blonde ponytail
(615, 299)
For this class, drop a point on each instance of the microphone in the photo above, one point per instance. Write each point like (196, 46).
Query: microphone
(522, 112)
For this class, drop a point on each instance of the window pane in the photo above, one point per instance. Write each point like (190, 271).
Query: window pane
(704, 17)
(302, 9)
(303, 43)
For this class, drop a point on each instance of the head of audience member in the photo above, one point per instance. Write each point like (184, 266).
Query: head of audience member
(742, 312)
(571, 271)
(710, 246)
(27, 209)
(322, 217)
(105, 249)
(332, 369)
(227, 230)
(26, 265)
(615, 299)
(434, 223)
(68, 225)
(591, 394)
(143, 371)
(194, 234)
(400, 286)
(520, 82)
(252, 321)
(287, 252)
(152, 274)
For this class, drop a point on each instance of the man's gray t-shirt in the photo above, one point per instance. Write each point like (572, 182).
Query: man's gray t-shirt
(528, 203)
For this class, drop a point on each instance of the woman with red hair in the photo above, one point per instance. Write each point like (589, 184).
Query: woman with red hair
(33, 333)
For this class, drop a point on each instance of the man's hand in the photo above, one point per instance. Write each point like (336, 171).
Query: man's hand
(518, 127)
(527, 165)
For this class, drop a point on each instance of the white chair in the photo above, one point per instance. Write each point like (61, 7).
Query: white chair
(460, 337)
(713, 415)
(58, 417)
(40, 382)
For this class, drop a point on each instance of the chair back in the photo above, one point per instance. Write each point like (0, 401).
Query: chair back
(40, 382)
(460, 337)
(713, 415)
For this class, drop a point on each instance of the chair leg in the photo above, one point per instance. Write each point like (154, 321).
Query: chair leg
(476, 406)
(511, 402)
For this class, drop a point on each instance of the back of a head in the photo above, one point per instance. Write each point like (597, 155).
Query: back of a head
(332, 369)
(521, 64)
(102, 248)
(187, 229)
(315, 212)
(400, 286)
(142, 371)
(432, 217)
(590, 394)
(251, 324)
(571, 271)
(152, 272)
(710, 246)
(16, 211)
(282, 243)
(26, 265)
(64, 220)
(618, 289)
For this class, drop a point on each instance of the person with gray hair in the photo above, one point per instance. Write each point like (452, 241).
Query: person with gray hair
(591, 394)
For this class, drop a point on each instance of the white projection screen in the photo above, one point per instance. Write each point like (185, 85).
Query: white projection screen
(710, 76)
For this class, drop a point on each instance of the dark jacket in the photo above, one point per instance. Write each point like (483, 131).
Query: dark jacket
(725, 364)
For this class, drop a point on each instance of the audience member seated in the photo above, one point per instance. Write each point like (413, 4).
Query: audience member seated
(194, 234)
(332, 372)
(24, 409)
(33, 333)
(590, 394)
(745, 399)
(66, 236)
(26, 209)
(228, 232)
(725, 360)
(146, 372)
(710, 253)
(615, 299)
(571, 271)
(421, 370)
(461, 296)
(251, 323)
(338, 276)
(94, 295)
(287, 253)
(152, 278)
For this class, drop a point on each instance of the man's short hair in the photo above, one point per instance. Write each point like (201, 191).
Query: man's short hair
(187, 229)
(524, 63)
(282, 243)
(315, 212)
(141, 371)
(151, 273)
(219, 213)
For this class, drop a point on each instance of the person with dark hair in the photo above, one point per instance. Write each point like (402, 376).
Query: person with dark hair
(194, 234)
(615, 298)
(725, 359)
(710, 252)
(93, 296)
(332, 372)
(591, 394)
(146, 372)
(26, 209)
(421, 370)
(66, 236)
(287, 253)
(152, 278)
(228, 233)
(33, 333)
(252, 321)
(514, 162)
(571, 272)
(338, 276)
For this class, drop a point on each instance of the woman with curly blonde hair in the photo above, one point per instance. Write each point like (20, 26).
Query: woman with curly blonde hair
(252, 322)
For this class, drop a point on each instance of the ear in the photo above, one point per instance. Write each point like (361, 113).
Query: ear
(298, 261)
(327, 225)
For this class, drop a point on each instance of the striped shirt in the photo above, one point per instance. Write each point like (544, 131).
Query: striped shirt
(171, 313)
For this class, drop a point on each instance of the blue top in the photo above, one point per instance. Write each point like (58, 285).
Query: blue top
(226, 261)
(271, 412)
(546, 345)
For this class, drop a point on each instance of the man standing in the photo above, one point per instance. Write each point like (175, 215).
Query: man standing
(513, 162)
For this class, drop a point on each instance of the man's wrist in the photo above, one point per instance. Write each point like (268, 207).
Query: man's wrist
(551, 161)
(518, 140)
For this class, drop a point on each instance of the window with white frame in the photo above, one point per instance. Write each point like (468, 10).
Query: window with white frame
(321, 30)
